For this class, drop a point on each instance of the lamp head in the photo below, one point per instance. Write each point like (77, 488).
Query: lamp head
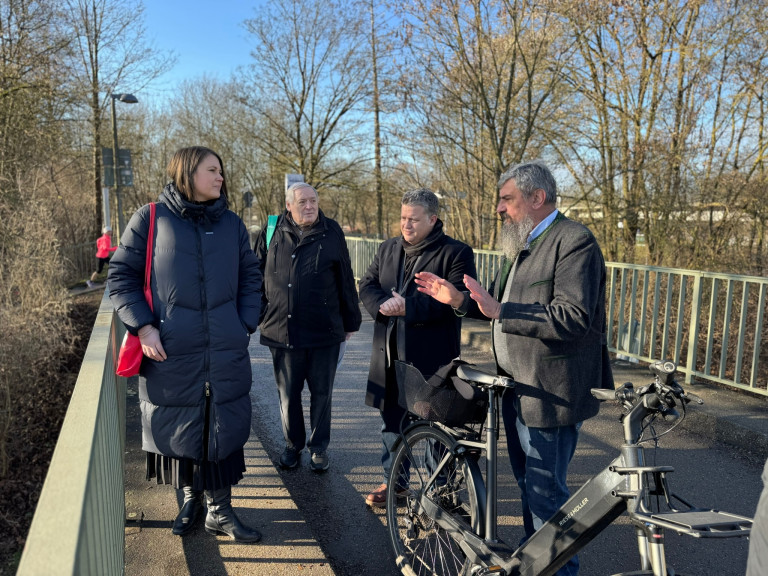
(127, 98)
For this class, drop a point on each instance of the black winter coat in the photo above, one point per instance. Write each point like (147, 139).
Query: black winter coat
(206, 287)
(309, 298)
(429, 335)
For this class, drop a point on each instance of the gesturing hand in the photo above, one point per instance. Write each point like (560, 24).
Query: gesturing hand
(440, 289)
(149, 336)
(488, 305)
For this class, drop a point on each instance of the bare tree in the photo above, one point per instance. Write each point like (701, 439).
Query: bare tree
(730, 190)
(378, 183)
(32, 304)
(639, 80)
(492, 69)
(110, 54)
(308, 80)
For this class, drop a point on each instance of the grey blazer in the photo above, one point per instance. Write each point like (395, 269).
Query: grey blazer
(554, 326)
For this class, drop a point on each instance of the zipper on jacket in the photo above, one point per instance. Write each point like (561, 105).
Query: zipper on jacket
(209, 430)
(206, 426)
(203, 300)
(317, 258)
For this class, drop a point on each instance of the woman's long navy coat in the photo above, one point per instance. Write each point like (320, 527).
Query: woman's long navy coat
(206, 295)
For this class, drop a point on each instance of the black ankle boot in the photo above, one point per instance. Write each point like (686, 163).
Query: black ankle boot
(189, 513)
(221, 518)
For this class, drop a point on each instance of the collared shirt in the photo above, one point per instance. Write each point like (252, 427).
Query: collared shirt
(541, 226)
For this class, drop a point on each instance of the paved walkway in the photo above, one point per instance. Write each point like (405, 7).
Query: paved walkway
(263, 500)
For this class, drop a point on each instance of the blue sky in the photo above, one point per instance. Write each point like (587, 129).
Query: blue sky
(207, 36)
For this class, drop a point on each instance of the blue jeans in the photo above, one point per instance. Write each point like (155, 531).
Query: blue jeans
(316, 366)
(391, 416)
(539, 459)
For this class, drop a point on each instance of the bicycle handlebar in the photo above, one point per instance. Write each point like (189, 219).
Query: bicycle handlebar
(661, 395)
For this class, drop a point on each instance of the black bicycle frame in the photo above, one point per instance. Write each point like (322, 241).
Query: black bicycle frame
(622, 486)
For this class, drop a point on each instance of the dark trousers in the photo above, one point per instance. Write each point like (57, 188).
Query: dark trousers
(540, 459)
(102, 262)
(392, 416)
(392, 420)
(316, 366)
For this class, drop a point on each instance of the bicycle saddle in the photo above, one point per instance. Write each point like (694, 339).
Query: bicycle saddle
(474, 374)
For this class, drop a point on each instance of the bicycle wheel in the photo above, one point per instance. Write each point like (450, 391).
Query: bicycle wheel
(420, 542)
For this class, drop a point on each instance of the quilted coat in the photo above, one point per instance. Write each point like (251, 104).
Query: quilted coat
(206, 296)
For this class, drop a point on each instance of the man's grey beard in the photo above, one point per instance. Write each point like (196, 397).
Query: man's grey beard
(514, 236)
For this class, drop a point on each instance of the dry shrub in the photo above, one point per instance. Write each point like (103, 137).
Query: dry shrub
(34, 303)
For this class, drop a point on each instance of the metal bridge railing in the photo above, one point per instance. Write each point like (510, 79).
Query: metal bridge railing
(79, 522)
(711, 325)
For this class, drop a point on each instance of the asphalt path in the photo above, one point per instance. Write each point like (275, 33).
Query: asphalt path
(355, 539)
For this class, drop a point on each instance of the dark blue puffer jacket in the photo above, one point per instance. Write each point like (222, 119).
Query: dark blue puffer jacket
(206, 289)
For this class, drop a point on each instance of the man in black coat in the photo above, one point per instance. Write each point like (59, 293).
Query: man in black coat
(410, 326)
(547, 305)
(309, 308)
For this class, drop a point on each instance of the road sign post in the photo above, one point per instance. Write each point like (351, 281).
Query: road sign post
(292, 179)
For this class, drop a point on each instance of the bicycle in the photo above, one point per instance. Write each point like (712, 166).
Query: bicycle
(442, 516)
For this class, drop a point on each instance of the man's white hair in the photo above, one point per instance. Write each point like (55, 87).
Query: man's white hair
(290, 193)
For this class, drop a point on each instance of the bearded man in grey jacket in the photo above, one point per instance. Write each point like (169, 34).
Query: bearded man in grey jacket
(547, 307)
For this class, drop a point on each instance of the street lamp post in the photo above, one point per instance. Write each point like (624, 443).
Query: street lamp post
(128, 99)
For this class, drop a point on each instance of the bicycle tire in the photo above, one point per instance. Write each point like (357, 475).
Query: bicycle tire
(421, 545)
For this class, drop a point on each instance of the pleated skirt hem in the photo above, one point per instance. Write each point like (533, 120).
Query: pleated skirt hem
(199, 475)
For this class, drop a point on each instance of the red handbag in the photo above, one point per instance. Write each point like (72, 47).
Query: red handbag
(129, 359)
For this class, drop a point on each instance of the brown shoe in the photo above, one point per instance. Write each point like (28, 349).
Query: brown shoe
(378, 498)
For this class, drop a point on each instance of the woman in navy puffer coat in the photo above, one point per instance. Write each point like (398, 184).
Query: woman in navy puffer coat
(195, 381)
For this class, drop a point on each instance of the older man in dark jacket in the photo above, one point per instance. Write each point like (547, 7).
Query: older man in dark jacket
(309, 308)
(549, 333)
(410, 326)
